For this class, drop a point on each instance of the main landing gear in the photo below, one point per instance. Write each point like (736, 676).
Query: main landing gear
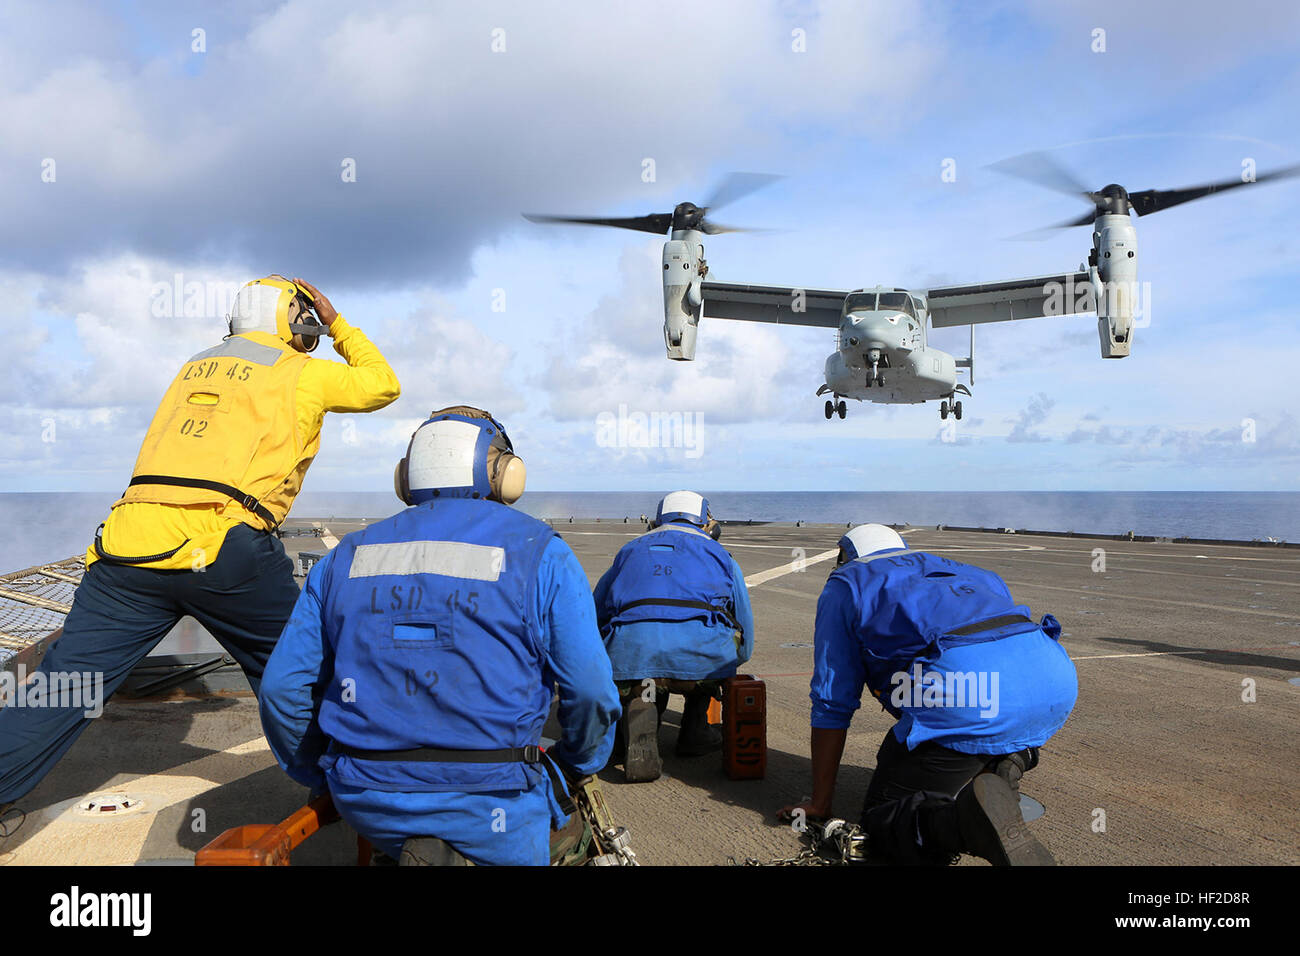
(834, 404)
(955, 406)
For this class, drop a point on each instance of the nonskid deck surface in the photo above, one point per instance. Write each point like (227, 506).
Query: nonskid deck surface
(1179, 751)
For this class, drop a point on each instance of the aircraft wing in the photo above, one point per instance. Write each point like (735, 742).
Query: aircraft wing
(780, 304)
(1069, 293)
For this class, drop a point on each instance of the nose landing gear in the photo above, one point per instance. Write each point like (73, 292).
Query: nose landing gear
(874, 377)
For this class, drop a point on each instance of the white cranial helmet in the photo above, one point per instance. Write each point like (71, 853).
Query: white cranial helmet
(867, 539)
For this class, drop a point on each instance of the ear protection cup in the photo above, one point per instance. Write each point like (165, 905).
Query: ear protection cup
(401, 482)
(508, 478)
(306, 333)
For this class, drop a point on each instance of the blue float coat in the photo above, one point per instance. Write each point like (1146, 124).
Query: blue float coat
(507, 826)
(996, 691)
(672, 642)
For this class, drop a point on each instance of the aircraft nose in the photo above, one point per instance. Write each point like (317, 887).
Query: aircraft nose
(870, 330)
(878, 332)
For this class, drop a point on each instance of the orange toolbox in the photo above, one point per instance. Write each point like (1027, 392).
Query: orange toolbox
(744, 727)
(272, 844)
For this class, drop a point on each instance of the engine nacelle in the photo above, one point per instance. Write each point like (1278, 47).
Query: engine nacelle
(683, 295)
(1113, 271)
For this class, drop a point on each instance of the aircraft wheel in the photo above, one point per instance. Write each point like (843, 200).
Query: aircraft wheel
(943, 410)
(843, 409)
(880, 380)
(830, 409)
(956, 410)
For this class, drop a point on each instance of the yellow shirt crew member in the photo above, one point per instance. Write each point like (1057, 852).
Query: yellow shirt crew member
(141, 527)
(217, 472)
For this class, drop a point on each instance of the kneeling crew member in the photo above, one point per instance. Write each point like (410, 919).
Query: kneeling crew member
(674, 607)
(218, 471)
(417, 670)
(976, 686)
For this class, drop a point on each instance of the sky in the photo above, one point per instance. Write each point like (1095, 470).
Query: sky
(386, 152)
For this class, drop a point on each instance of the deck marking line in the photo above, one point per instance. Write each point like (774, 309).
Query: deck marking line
(1106, 657)
(1154, 600)
(762, 577)
(1203, 650)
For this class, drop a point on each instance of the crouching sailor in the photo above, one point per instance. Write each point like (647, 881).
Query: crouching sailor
(417, 670)
(975, 685)
(675, 616)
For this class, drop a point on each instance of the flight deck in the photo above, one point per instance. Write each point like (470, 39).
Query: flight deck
(1181, 748)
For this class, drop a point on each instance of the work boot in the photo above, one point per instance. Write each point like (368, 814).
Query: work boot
(1014, 766)
(11, 818)
(430, 851)
(991, 826)
(638, 730)
(697, 736)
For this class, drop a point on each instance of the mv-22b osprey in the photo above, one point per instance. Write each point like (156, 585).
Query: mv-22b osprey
(881, 350)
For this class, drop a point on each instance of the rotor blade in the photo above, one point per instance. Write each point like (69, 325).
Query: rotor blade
(1085, 220)
(1042, 169)
(737, 185)
(710, 228)
(657, 223)
(1154, 200)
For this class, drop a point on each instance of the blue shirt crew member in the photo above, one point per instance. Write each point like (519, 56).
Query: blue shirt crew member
(675, 616)
(418, 667)
(976, 687)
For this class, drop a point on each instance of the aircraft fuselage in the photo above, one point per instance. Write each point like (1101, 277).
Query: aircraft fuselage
(906, 370)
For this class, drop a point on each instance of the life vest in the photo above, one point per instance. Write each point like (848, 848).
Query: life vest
(672, 574)
(922, 614)
(915, 604)
(429, 617)
(675, 573)
(226, 430)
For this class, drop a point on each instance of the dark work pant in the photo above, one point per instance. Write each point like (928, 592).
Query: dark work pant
(907, 783)
(120, 613)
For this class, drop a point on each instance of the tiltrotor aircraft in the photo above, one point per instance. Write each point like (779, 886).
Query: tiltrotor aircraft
(881, 350)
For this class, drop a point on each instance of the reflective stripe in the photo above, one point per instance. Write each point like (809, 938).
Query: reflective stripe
(453, 559)
(239, 347)
(684, 529)
(891, 553)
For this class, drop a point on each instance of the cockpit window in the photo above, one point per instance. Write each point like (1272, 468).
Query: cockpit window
(860, 302)
(896, 301)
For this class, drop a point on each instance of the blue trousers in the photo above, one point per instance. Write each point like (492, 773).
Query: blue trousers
(120, 613)
(491, 829)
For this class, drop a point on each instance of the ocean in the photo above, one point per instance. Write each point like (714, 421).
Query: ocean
(37, 527)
